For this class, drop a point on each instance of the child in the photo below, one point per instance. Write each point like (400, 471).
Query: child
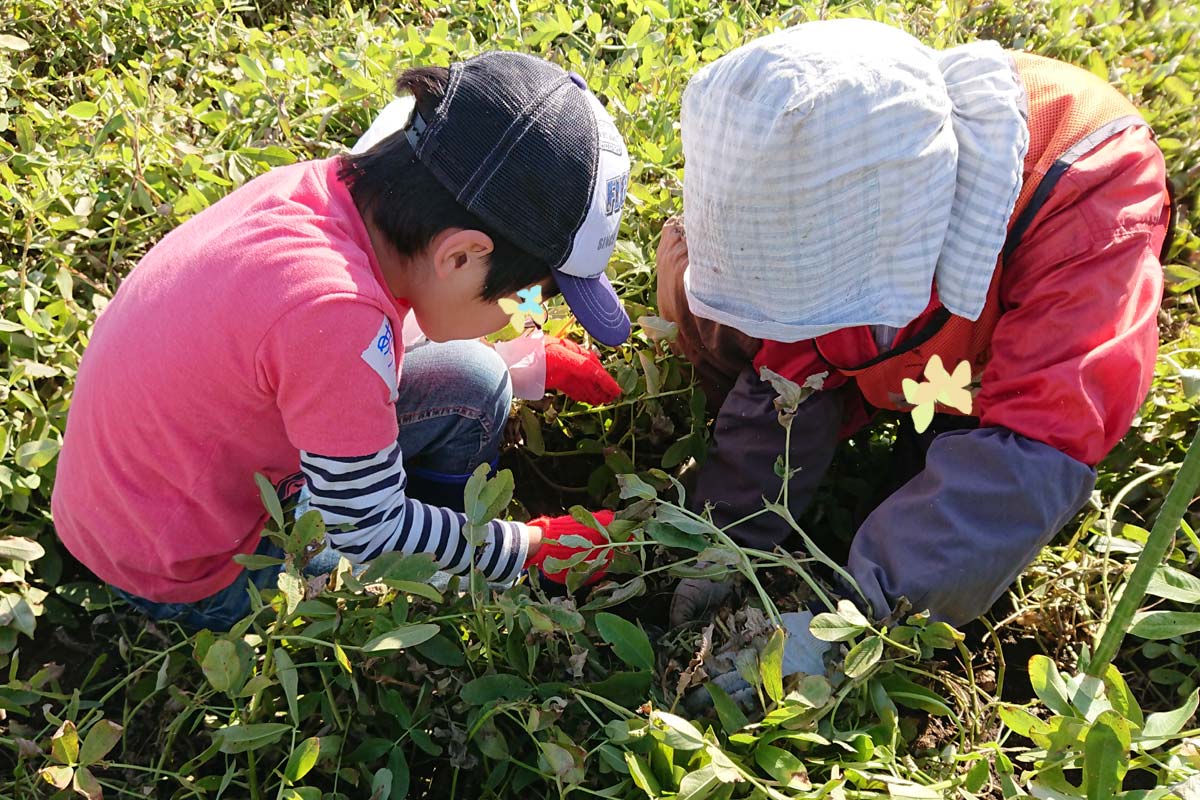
(260, 337)
(858, 204)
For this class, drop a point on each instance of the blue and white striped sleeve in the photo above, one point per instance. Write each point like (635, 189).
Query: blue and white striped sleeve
(362, 500)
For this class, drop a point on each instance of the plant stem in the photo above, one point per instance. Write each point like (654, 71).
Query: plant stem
(1162, 536)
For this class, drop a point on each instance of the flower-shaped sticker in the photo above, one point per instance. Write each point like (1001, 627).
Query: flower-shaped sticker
(939, 386)
(530, 307)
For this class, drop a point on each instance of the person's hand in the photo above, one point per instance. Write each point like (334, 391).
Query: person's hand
(672, 250)
(802, 653)
(696, 599)
(578, 373)
(554, 529)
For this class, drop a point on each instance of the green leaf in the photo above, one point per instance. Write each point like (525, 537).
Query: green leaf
(243, 738)
(676, 732)
(670, 536)
(1106, 756)
(302, 759)
(308, 529)
(863, 656)
(638, 32)
(251, 68)
(441, 650)
(1164, 624)
(404, 636)
(1174, 584)
(531, 427)
(727, 33)
(84, 109)
(486, 499)
(285, 670)
(628, 641)
(1122, 699)
(831, 627)
(977, 776)
(698, 784)
(18, 548)
(398, 765)
(1165, 724)
(252, 561)
(489, 688)
(343, 660)
(1049, 686)
(643, 776)
(620, 686)
(224, 666)
(100, 739)
(783, 766)
(381, 785)
(1021, 722)
(732, 718)
(913, 695)
(678, 519)
(270, 499)
(632, 486)
(770, 665)
(397, 566)
(35, 455)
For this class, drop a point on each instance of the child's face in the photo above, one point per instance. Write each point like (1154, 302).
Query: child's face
(446, 298)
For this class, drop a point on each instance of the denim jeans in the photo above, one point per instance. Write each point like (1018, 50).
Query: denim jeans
(454, 399)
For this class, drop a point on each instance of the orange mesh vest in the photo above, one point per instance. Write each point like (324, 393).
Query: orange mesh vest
(1070, 112)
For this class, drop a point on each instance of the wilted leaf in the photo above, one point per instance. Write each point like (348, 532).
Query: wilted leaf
(18, 548)
(64, 744)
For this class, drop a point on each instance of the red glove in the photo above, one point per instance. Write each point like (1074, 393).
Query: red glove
(577, 373)
(554, 528)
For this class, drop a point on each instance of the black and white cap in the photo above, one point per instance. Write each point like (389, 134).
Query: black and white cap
(523, 145)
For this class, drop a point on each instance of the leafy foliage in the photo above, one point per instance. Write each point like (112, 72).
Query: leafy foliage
(120, 119)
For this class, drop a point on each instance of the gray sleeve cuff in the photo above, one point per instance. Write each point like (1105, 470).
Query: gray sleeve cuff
(955, 537)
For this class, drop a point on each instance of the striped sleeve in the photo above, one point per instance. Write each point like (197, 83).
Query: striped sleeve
(362, 500)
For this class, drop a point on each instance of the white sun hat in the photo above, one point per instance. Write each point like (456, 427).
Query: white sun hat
(834, 169)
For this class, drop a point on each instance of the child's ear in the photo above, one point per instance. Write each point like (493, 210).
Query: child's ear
(460, 248)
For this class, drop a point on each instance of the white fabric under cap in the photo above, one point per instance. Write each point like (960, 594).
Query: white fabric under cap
(832, 168)
(394, 116)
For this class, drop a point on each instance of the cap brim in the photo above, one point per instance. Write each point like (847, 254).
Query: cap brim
(595, 304)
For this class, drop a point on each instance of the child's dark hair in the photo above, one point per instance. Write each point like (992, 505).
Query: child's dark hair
(407, 204)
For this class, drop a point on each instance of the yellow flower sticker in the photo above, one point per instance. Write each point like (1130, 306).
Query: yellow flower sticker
(530, 307)
(939, 386)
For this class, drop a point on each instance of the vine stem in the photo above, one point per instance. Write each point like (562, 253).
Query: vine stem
(1162, 536)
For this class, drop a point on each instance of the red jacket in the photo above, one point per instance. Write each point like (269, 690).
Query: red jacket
(1072, 351)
